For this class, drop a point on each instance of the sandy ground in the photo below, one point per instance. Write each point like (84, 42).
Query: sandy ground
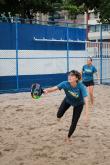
(31, 135)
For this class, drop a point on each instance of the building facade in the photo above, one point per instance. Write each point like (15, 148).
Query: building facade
(94, 28)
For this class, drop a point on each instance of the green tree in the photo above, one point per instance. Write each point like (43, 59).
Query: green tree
(73, 8)
(23, 7)
(54, 13)
(104, 11)
(100, 6)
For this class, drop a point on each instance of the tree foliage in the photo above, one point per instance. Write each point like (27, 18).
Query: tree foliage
(74, 7)
(99, 6)
(104, 11)
(23, 7)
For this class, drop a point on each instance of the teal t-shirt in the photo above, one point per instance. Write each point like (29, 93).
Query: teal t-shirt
(87, 72)
(74, 95)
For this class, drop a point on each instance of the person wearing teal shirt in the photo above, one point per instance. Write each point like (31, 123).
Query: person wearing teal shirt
(76, 96)
(88, 71)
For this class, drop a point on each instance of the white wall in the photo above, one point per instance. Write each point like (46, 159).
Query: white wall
(53, 64)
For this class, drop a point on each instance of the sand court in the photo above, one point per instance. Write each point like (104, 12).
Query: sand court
(31, 135)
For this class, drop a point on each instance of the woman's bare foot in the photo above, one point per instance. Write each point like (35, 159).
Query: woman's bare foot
(92, 107)
(58, 119)
(68, 140)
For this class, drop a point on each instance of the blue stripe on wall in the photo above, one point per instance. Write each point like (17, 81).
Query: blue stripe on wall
(25, 81)
(7, 36)
(26, 33)
(57, 46)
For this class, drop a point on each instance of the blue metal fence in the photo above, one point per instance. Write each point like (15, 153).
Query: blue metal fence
(44, 54)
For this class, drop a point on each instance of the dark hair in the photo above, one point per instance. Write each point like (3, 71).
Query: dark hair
(76, 73)
(89, 58)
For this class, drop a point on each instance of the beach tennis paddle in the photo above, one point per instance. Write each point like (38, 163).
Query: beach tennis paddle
(36, 91)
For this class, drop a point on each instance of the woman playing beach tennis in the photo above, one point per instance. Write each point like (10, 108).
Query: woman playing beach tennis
(76, 96)
(88, 71)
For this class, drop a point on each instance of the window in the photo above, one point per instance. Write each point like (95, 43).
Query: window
(97, 28)
(92, 28)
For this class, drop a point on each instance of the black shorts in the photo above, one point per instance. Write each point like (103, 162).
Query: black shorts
(88, 83)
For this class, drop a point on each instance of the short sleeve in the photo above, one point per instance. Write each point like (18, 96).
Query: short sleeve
(94, 69)
(83, 68)
(61, 85)
(83, 90)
